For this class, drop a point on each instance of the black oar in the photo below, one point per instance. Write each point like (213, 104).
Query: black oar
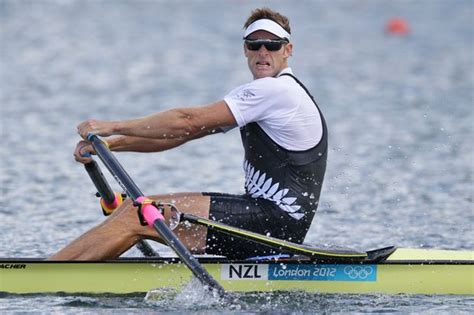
(278, 244)
(152, 215)
(111, 200)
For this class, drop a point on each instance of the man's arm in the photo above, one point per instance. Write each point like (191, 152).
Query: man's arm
(167, 129)
(139, 144)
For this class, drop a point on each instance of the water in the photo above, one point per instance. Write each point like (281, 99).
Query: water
(252, 303)
(399, 110)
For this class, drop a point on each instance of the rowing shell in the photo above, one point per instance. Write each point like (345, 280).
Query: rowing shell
(408, 271)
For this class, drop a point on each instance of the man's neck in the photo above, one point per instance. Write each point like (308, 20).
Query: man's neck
(284, 70)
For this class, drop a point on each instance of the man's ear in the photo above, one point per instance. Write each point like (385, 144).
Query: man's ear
(245, 50)
(288, 50)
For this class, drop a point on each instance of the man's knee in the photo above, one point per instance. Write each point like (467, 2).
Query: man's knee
(125, 214)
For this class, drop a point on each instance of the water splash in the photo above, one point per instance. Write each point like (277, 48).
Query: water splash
(193, 296)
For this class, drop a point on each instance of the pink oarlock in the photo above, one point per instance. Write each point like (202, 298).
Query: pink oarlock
(149, 212)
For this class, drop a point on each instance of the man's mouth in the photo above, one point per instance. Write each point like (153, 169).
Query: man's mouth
(263, 64)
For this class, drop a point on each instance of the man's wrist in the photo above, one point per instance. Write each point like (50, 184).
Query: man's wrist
(116, 127)
(107, 143)
(111, 143)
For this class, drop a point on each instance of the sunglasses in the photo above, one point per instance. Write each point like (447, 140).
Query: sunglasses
(270, 44)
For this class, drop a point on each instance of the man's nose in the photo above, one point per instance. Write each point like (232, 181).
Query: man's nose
(263, 50)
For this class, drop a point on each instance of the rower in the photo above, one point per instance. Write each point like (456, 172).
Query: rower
(284, 136)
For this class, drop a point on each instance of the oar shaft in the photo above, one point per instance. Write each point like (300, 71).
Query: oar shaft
(152, 216)
(278, 244)
(186, 256)
(102, 186)
(117, 171)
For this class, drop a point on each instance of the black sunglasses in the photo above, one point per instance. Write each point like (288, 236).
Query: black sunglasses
(270, 44)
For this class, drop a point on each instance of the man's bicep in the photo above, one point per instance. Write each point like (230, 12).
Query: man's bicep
(218, 115)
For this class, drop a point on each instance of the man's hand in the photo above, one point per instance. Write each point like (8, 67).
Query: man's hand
(97, 127)
(83, 151)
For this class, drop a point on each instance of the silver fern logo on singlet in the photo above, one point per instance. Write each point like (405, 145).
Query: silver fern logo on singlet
(245, 94)
(259, 186)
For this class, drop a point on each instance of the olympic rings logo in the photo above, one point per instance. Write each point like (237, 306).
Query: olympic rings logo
(358, 272)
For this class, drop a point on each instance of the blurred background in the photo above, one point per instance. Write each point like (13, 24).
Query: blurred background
(393, 78)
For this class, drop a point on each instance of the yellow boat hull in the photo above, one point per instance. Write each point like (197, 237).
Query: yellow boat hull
(405, 271)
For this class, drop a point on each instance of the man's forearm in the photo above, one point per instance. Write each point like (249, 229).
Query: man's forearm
(138, 144)
(181, 124)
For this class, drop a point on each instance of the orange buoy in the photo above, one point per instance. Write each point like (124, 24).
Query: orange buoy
(397, 26)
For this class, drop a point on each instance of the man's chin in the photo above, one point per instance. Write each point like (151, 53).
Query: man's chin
(259, 74)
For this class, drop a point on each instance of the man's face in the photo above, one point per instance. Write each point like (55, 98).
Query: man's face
(263, 63)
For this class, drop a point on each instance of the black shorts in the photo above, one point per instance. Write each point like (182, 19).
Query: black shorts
(256, 215)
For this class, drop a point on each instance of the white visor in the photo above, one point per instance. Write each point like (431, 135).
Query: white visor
(267, 25)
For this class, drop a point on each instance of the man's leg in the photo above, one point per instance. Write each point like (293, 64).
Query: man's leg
(122, 230)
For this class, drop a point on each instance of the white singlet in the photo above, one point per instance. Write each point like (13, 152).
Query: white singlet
(281, 108)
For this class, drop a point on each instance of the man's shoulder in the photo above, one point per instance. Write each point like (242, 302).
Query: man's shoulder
(283, 88)
(274, 84)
